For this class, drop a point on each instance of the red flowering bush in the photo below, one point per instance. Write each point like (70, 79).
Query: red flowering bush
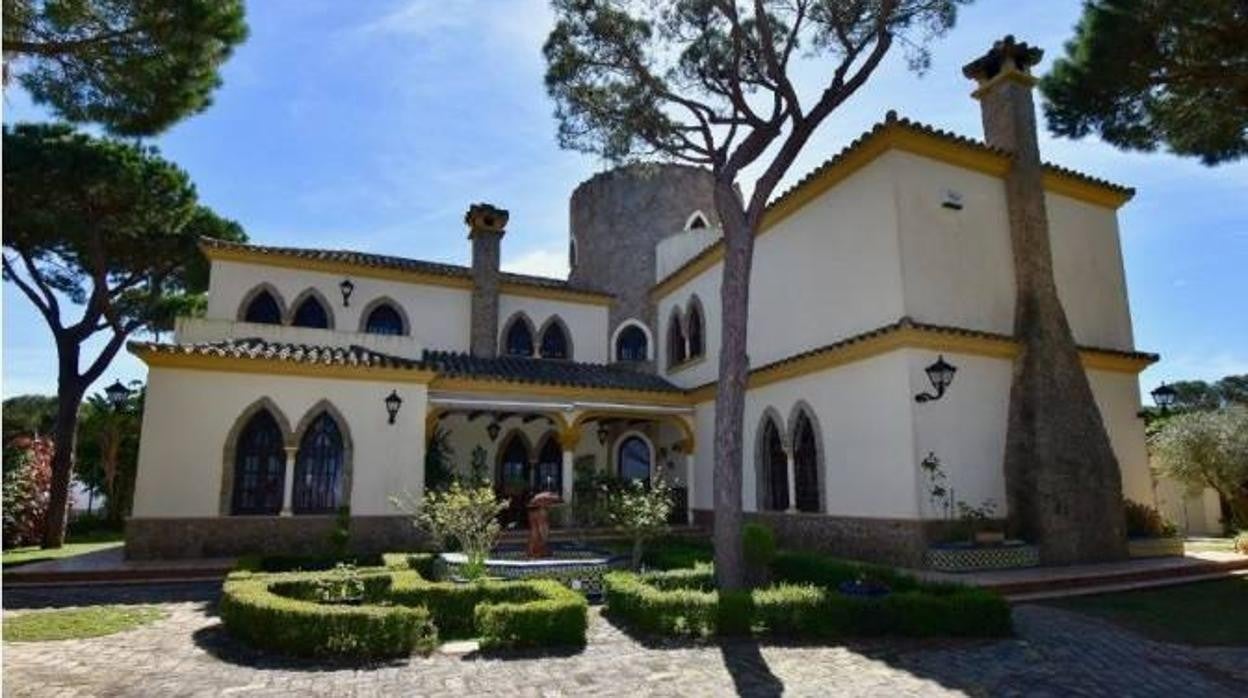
(27, 480)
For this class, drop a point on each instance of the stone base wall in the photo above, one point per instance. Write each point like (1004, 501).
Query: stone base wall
(229, 536)
(901, 542)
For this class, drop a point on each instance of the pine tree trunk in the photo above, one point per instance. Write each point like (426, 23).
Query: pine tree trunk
(730, 394)
(68, 397)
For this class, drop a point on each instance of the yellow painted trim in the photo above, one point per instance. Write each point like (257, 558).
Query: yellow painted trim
(490, 386)
(231, 364)
(1012, 75)
(273, 259)
(906, 139)
(912, 338)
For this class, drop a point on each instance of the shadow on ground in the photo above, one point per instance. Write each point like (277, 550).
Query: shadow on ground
(64, 596)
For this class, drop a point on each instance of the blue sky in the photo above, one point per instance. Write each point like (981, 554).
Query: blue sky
(372, 126)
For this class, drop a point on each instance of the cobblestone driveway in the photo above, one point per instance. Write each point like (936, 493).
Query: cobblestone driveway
(1056, 653)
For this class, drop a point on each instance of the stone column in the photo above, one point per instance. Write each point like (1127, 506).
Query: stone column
(568, 439)
(486, 226)
(690, 461)
(791, 479)
(288, 487)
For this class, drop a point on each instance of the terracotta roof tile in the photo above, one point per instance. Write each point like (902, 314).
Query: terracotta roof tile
(519, 369)
(254, 348)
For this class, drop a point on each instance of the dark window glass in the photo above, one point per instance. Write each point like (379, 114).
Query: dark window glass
(675, 342)
(806, 465)
(697, 222)
(519, 339)
(696, 346)
(263, 308)
(311, 313)
(513, 481)
(634, 459)
(549, 474)
(384, 319)
(554, 342)
(319, 469)
(259, 467)
(630, 345)
(775, 469)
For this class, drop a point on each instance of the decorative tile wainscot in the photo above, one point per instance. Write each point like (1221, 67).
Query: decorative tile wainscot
(974, 558)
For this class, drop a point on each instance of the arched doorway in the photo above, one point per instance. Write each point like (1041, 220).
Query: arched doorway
(512, 478)
(634, 459)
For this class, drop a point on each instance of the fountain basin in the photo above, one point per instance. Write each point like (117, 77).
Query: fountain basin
(577, 567)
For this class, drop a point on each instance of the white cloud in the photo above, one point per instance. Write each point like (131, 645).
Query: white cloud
(540, 262)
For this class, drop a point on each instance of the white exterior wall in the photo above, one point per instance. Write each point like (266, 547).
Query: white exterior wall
(586, 322)
(439, 315)
(674, 251)
(1087, 264)
(190, 414)
(826, 272)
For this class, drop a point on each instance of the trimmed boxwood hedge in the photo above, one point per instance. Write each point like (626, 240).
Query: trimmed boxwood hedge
(804, 603)
(401, 613)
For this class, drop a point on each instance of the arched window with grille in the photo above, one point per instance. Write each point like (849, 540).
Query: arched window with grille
(675, 340)
(263, 308)
(518, 340)
(555, 341)
(384, 319)
(548, 476)
(311, 312)
(695, 329)
(631, 344)
(775, 471)
(806, 463)
(634, 459)
(259, 467)
(319, 468)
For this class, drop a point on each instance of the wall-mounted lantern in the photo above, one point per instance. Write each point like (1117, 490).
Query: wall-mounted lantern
(941, 375)
(393, 403)
(603, 433)
(1164, 396)
(493, 429)
(347, 289)
(117, 395)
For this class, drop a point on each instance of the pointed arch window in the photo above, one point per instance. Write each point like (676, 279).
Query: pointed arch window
(519, 338)
(805, 465)
(259, 467)
(319, 469)
(555, 342)
(775, 469)
(311, 313)
(384, 319)
(631, 344)
(697, 221)
(263, 309)
(675, 341)
(548, 476)
(634, 459)
(696, 331)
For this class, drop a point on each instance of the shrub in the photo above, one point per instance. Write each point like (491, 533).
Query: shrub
(641, 511)
(27, 482)
(306, 563)
(677, 553)
(1241, 543)
(351, 607)
(420, 563)
(1144, 521)
(807, 604)
(759, 546)
(254, 613)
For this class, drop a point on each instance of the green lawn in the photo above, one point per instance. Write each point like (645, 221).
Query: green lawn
(77, 545)
(1204, 613)
(1221, 545)
(74, 623)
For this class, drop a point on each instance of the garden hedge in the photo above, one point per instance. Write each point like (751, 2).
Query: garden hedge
(804, 603)
(401, 612)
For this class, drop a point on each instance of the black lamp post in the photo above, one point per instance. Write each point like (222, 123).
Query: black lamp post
(117, 395)
(393, 403)
(1164, 396)
(941, 375)
(347, 289)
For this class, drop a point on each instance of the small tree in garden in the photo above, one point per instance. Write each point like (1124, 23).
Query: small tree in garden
(640, 511)
(466, 517)
(1208, 449)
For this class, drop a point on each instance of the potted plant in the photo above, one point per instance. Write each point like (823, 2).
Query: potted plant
(978, 521)
(1149, 533)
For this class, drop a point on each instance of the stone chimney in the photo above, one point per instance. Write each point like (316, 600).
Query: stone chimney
(486, 226)
(1004, 93)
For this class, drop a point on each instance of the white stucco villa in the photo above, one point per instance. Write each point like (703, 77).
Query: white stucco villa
(315, 377)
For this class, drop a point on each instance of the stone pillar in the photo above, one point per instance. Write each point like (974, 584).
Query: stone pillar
(568, 439)
(288, 487)
(486, 226)
(791, 480)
